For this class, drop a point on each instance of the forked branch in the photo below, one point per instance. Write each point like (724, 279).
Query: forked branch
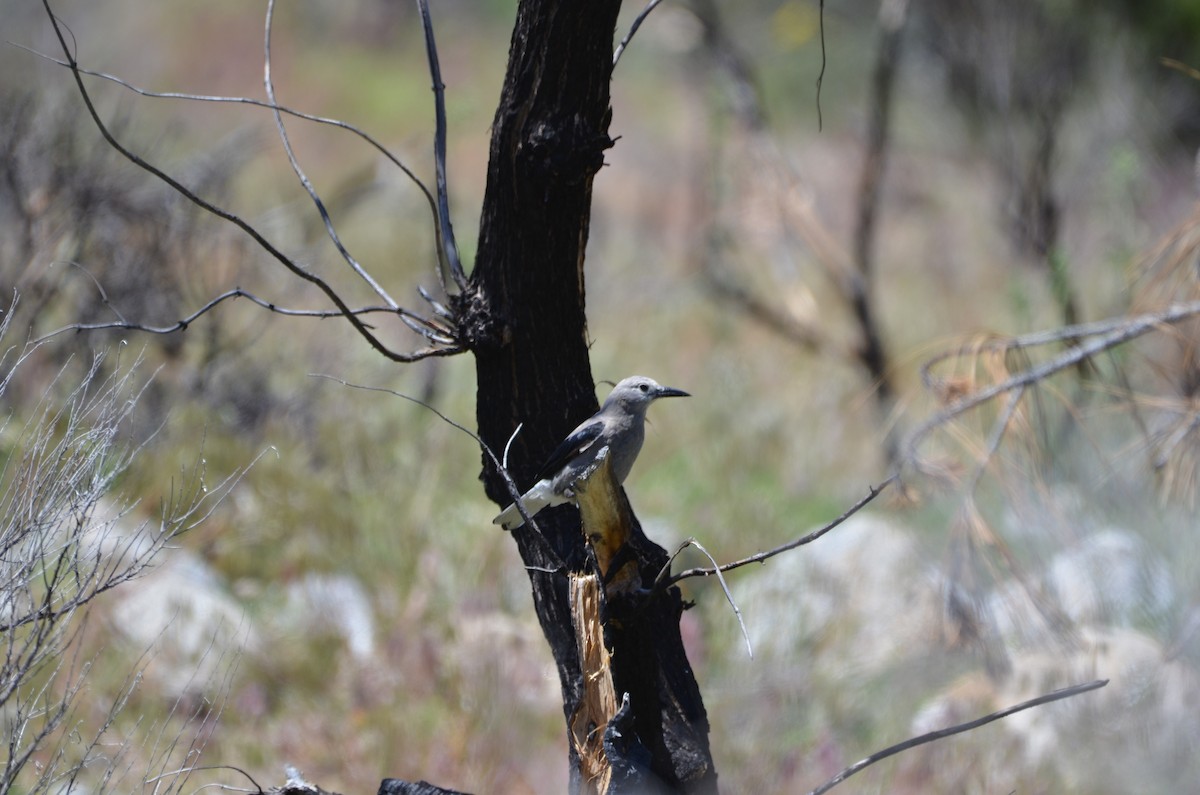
(529, 525)
(340, 124)
(269, 84)
(1092, 338)
(183, 323)
(440, 334)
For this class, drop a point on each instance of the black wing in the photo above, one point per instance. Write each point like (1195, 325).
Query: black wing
(579, 440)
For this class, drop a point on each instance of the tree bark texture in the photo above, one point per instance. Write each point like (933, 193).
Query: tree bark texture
(525, 323)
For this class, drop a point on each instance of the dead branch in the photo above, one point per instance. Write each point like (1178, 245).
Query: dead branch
(770, 315)
(350, 128)
(269, 84)
(665, 578)
(62, 551)
(633, 28)
(940, 734)
(871, 352)
(850, 274)
(447, 246)
(514, 492)
(438, 331)
(183, 323)
(1094, 338)
(691, 542)
(999, 428)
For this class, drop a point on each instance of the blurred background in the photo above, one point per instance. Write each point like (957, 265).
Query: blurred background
(792, 257)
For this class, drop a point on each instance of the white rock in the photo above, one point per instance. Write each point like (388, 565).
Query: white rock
(183, 615)
(1111, 578)
(337, 604)
(863, 597)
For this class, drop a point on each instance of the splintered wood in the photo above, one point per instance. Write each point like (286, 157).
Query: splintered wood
(599, 700)
(607, 525)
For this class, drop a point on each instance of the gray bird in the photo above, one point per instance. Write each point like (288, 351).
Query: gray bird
(615, 431)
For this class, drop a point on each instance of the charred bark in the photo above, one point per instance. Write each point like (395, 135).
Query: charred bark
(524, 317)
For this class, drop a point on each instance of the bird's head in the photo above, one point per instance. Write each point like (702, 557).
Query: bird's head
(637, 392)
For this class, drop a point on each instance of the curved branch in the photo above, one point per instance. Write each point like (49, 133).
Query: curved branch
(691, 542)
(291, 156)
(343, 308)
(1104, 335)
(432, 330)
(633, 28)
(447, 246)
(515, 493)
(1057, 695)
(665, 579)
(183, 323)
(258, 103)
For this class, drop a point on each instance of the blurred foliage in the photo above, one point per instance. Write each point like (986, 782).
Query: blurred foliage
(1170, 28)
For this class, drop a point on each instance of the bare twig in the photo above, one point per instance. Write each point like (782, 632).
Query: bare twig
(871, 351)
(821, 74)
(350, 128)
(1177, 436)
(691, 542)
(1093, 338)
(509, 483)
(344, 309)
(269, 84)
(99, 288)
(508, 444)
(183, 323)
(1057, 695)
(633, 28)
(61, 551)
(196, 768)
(1181, 67)
(447, 246)
(999, 427)
(771, 315)
(665, 578)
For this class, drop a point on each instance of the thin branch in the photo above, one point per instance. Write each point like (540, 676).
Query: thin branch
(1181, 67)
(344, 310)
(269, 84)
(913, 742)
(871, 351)
(821, 74)
(193, 769)
(633, 28)
(1103, 336)
(665, 578)
(691, 542)
(511, 485)
(999, 428)
(183, 323)
(508, 444)
(1176, 438)
(1175, 313)
(99, 288)
(447, 247)
(350, 128)
(770, 315)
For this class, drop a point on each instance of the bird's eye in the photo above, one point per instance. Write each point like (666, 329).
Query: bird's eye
(644, 387)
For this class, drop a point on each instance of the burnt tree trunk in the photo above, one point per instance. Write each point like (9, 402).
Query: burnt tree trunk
(524, 314)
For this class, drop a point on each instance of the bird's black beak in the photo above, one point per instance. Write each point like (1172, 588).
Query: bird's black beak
(666, 391)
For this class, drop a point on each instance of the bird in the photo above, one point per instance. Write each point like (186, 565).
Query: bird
(615, 431)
